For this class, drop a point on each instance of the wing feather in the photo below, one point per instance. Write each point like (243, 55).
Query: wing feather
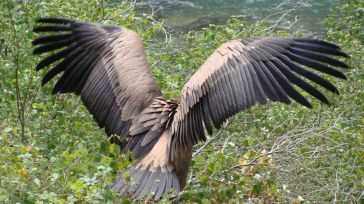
(104, 64)
(242, 73)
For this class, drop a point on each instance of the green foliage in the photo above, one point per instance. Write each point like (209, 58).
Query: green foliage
(50, 147)
(51, 151)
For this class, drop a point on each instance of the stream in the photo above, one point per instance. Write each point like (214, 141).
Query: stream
(185, 15)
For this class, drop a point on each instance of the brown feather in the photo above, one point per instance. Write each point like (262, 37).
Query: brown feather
(104, 64)
(241, 73)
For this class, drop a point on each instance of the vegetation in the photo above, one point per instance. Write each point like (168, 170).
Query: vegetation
(51, 151)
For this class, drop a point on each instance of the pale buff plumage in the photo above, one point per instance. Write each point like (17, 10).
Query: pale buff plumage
(106, 65)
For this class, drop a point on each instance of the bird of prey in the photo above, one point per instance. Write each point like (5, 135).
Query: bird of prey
(106, 66)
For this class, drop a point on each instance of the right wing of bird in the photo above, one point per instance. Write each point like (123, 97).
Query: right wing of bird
(242, 73)
(105, 64)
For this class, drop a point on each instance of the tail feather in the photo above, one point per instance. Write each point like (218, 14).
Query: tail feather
(155, 175)
(152, 182)
(147, 184)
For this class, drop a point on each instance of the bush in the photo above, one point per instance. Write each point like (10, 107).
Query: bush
(50, 149)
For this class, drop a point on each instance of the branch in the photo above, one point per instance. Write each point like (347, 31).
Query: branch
(212, 138)
(285, 13)
(252, 161)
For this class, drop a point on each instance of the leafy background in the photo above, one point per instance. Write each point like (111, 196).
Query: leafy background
(51, 151)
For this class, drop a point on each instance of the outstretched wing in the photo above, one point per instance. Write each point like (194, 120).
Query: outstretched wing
(106, 65)
(241, 73)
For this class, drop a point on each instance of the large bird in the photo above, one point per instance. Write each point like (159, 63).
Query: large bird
(106, 66)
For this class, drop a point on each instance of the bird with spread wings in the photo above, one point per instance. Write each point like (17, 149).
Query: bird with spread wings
(106, 66)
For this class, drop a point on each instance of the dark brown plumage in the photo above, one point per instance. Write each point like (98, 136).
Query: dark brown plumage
(106, 66)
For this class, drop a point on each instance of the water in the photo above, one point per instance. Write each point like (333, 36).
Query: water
(189, 14)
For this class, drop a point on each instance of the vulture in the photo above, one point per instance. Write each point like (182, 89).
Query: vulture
(106, 66)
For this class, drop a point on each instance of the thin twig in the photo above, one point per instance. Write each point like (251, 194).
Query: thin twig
(273, 27)
(212, 138)
(16, 55)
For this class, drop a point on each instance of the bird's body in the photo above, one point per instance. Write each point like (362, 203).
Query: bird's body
(106, 66)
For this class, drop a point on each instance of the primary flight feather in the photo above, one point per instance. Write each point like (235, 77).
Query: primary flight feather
(106, 66)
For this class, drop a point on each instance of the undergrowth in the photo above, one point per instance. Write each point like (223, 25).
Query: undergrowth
(51, 150)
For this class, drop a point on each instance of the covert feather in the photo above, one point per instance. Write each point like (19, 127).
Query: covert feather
(106, 66)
